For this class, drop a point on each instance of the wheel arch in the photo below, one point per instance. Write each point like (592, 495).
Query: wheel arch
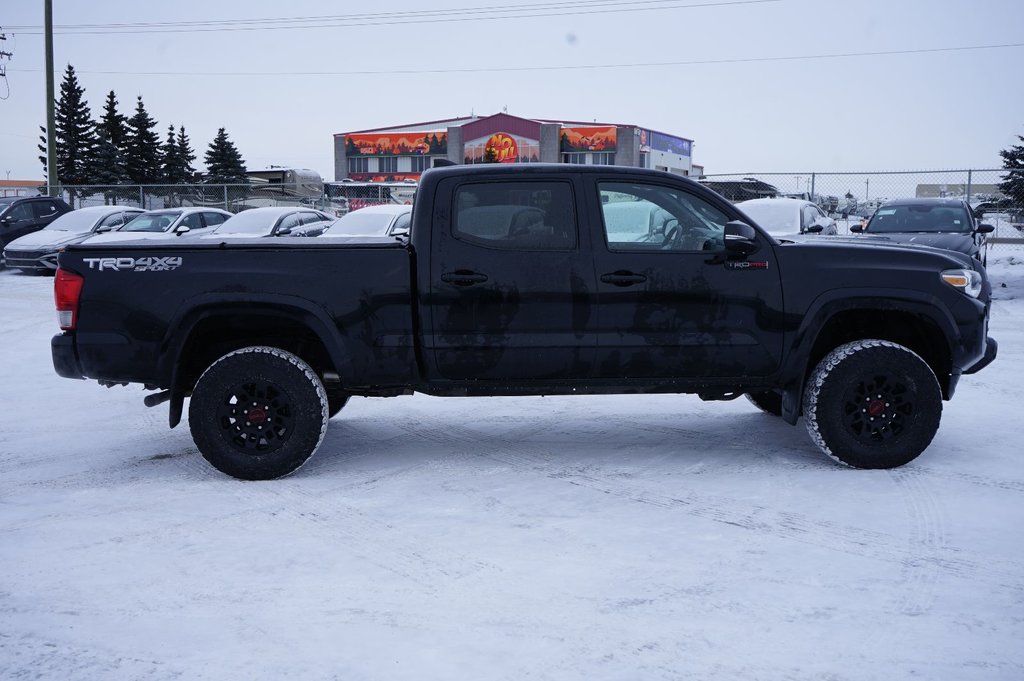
(913, 320)
(209, 331)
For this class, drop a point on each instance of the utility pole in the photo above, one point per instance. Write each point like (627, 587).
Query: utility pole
(52, 179)
(4, 55)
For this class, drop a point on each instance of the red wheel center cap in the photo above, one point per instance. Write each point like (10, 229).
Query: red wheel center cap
(876, 407)
(256, 416)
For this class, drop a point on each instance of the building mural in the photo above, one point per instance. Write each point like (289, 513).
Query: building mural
(502, 147)
(396, 144)
(600, 138)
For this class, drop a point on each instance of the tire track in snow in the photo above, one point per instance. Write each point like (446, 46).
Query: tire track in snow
(783, 524)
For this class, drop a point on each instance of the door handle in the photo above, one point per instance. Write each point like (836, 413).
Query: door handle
(463, 277)
(623, 278)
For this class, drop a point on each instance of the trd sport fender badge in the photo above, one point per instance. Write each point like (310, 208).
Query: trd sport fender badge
(746, 265)
(147, 264)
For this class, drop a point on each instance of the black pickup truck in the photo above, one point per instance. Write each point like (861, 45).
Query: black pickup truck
(530, 280)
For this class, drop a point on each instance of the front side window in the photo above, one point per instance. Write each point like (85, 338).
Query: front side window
(289, 222)
(516, 215)
(115, 220)
(192, 221)
(22, 211)
(647, 217)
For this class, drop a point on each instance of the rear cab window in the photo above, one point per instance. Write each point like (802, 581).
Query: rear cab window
(516, 215)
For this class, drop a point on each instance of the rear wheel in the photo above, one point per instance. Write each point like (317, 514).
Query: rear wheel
(872, 404)
(258, 413)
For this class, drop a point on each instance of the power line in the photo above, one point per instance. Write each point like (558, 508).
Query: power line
(550, 9)
(579, 67)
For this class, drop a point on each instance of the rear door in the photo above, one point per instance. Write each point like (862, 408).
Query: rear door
(511, 286)
(671, 304)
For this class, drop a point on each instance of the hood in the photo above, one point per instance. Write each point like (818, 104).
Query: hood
(46, 238)
(961, 243)
(879, 241)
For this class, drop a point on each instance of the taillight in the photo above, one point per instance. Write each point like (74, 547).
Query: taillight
(67, 286)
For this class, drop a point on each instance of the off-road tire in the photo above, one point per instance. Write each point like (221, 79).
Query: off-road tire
(872, 404)
(258, 413)
(770, 402)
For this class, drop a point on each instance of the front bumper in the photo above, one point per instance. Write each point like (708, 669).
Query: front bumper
(36, 261)
(991, 348)
(65, 357)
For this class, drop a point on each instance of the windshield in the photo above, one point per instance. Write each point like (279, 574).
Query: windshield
(79, 221)
(774, 218)
(919, 218)
(249, 222)
(361, 223)
(152, 222)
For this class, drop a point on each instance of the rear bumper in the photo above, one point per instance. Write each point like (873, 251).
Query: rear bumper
(991, 348)
(65, 357)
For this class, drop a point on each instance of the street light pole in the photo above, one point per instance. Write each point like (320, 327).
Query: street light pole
(52, 179)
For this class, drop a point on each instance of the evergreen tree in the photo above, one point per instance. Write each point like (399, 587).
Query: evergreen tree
(224, 165)
(1013, 182)
(185, 155)
(109, 167)
(114, 123)
(171, 159)
(143, 147)
(74, 133)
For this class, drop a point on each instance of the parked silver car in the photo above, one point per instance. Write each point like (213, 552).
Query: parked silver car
(167, 223)
(37, 252)
(273, 221)
(387, 220)
(786, 217)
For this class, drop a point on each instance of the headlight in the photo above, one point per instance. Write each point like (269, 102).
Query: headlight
(967, 281)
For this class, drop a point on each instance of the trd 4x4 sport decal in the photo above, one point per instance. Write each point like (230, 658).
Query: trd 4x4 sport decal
(147, 264)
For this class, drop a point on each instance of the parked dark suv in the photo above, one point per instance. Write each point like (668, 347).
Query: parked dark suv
(23, 215)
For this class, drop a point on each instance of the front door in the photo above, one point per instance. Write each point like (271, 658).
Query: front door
(671, 304)
(511, 293)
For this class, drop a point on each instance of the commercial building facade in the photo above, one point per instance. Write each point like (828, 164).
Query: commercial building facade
(403, 152)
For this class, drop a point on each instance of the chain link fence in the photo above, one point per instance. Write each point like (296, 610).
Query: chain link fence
(336, 198)
(230, 197)
(852, 197)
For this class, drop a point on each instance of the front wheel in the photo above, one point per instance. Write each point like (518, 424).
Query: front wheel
(872, 404)
(258, 413)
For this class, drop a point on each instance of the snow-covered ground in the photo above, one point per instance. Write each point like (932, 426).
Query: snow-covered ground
(613, 537)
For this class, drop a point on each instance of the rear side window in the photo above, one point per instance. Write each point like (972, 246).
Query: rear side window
(45, 209)
(516, 215)
(213, 219)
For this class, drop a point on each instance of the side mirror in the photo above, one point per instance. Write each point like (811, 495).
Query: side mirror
(104, 228)
(6, 220)
(985, 228)
(740, 237)
(284, 231)
(815, 229)
(182, 229)
(857, 228)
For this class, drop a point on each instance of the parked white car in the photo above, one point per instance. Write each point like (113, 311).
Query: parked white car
(37, 252)
(167, 223)
(786, 217)
(387, 220)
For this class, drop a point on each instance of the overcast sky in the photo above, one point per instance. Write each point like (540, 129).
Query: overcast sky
(712, 73)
